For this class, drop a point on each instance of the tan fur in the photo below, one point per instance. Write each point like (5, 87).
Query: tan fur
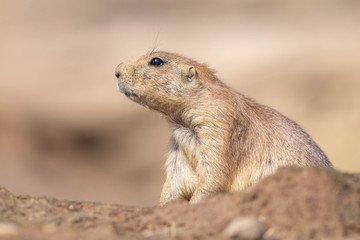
(221, 140)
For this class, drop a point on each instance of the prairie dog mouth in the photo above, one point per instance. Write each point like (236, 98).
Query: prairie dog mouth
(120, 88)
(127, 92)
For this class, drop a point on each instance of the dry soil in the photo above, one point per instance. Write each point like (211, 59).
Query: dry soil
(292, 204)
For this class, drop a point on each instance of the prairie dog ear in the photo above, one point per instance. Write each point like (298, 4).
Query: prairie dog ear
(191, 73)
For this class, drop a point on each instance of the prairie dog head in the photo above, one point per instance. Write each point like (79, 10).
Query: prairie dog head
(162, 81)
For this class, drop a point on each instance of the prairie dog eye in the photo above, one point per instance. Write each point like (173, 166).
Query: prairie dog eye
(156, 62)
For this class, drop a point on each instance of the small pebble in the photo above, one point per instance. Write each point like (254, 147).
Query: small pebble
(248, 228)
(7, 228)
(50, 227)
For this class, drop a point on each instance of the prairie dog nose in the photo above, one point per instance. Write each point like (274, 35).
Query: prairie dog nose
(117, 74)
(117, 70)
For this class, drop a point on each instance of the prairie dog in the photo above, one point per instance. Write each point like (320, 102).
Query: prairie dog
(222, 141)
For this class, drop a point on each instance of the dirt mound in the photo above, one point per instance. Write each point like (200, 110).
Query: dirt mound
(292, 204)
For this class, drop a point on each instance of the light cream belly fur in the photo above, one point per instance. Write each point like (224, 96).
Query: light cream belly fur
(181, 166)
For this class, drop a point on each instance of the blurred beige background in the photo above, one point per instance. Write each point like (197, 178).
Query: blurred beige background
(66, 132)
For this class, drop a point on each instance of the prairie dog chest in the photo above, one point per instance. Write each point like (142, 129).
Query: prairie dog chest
(182, 162)
(185, 143)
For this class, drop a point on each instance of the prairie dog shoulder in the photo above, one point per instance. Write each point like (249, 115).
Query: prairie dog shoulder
(221, 140)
